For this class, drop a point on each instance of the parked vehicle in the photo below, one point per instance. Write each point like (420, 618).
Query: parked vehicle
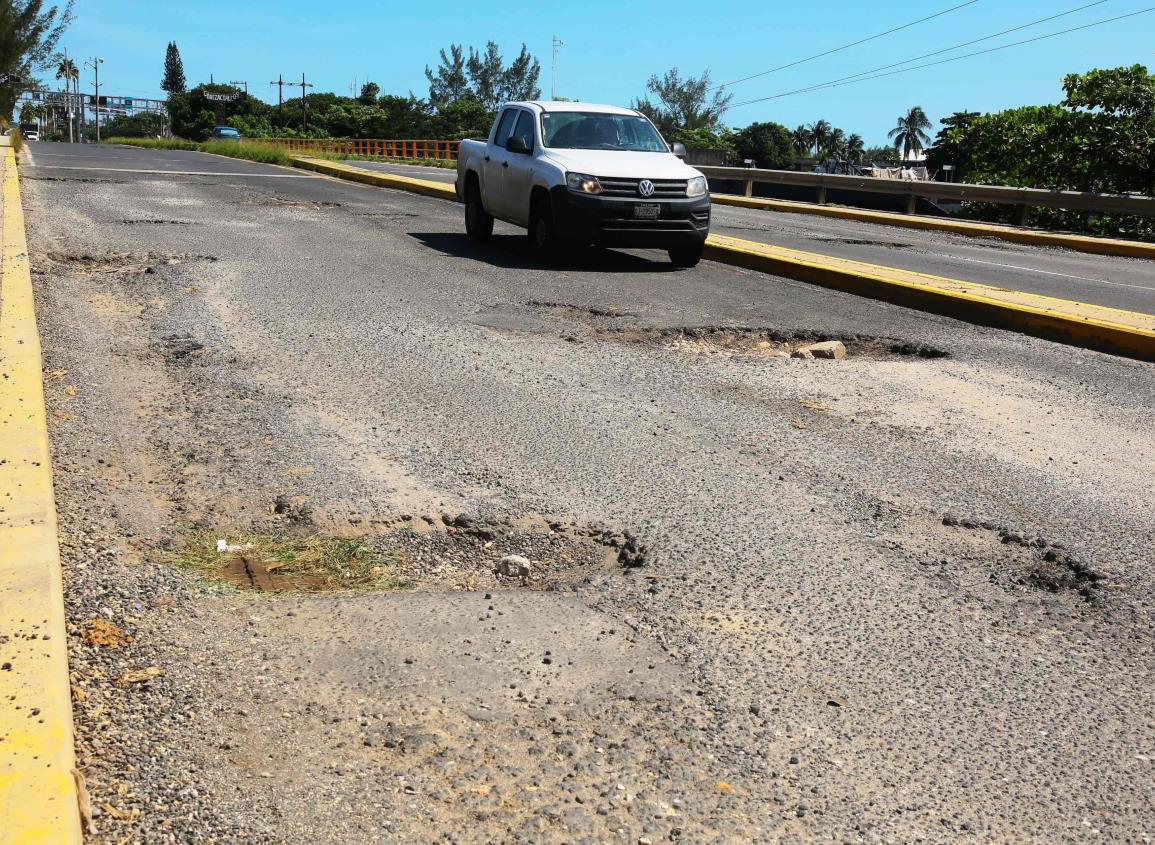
(226, 133)
(30, 131)
(583, 173)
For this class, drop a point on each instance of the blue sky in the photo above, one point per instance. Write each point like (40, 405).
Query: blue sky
(611, 48)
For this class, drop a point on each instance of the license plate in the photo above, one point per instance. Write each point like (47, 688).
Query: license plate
(647, 212)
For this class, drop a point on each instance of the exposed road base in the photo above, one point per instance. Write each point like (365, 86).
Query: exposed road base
(1033, 237)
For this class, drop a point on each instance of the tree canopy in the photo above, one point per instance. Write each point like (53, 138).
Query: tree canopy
(29, 33)
(173, 81)
(689, 103)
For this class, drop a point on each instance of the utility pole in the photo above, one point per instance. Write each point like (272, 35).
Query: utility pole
(95, 64)
(304, 105)
(557, 44)
(239, 83)
(280, 83)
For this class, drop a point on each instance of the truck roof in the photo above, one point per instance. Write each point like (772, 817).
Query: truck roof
(565, 105)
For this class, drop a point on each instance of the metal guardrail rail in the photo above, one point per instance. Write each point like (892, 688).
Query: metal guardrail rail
(1024, 198)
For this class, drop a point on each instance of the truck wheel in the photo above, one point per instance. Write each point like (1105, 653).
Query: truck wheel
(543, 241)
(686, 255)
(478, 222)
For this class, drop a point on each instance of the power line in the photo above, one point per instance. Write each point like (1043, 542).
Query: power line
(858, 78)
(848, 46)
(854, 76)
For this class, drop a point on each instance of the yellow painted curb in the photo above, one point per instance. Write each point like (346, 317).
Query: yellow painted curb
(1033, 237)
(1096, 327)
(376, 177)
(38, 804)
(1080, 324)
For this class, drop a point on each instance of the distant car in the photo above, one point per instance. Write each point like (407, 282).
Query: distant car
(226, 133)
(30, 131)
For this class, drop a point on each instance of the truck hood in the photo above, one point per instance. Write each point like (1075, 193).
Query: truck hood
(626, 165)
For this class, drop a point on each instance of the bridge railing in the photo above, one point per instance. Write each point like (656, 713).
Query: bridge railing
(1024, 198)
(369, 147)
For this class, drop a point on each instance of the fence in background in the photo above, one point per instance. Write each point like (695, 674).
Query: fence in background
(399, 148)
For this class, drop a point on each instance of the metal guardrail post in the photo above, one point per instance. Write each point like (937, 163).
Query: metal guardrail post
(821, 194)
(911, 204)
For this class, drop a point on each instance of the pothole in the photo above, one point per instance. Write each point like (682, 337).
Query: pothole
(111, 262)
(156, 222)
(413, 552)
(577, 312)
(81, 179)
(282, 202)
(178, 347)
(866, 242)
(768, 343)
(1015, 561)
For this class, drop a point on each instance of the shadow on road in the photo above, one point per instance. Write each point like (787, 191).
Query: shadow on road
(511, 252)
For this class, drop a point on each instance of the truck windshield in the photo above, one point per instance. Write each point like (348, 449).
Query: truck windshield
(571, 130)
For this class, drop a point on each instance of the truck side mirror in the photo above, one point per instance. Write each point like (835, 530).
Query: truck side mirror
(517, 144)
(679, 150)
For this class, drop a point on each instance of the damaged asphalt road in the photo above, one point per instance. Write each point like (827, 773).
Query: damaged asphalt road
(904, 596)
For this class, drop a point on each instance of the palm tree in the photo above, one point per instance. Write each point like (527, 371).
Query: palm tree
(801, 139)
(910, 133)
(836, 143)
(819, 134)
(67, 71)
(854, 149)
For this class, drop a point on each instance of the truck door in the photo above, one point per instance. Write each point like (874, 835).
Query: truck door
(496, 163)
(519, 174)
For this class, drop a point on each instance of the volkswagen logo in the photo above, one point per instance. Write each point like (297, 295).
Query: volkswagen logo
(646, 188)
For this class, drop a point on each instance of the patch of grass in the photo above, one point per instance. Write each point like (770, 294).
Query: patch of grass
(155, 143)
(313, 563)
(250, 150)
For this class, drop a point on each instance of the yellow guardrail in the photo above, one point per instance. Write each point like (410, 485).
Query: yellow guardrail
(38, 802)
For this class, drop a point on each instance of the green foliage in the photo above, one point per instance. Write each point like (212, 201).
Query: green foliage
(909, 135)
(1101, 139)
(948, 147)
(154, 143)
(143, 125)
(250, 150)
(704, 139)
(770, 145)
(482, 78)
(173, 81)
(194, 115)
(369, 93)
(29, 34)
(885, 156)
(690, 103)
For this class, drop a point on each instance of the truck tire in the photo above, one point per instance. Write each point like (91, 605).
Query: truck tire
(686, 255)
(543, 241)
(478, 222)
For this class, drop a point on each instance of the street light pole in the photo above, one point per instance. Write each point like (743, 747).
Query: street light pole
(95, 65)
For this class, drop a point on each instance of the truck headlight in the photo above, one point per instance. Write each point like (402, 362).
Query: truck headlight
(696, 186)
(582, 183)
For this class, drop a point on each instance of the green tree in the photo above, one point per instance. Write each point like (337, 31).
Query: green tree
(770, 145)
(801, 139)
(31, 112)
(450, 82)
(690, 103)
(1123, 99)
(885, 156)
(854, 148)
(173, 81)
(29, 33)
(819, 135)
(949, 147)
(836, 144)
(909, 134)
(369, 93)
(69, 74)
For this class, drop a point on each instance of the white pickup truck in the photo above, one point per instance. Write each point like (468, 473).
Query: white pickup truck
(583, 173)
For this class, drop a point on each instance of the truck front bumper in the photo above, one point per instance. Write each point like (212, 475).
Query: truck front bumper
(610, 221)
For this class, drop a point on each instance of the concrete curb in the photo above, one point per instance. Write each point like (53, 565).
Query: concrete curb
(1032, 237)
(378, 178)
(1094, 327)
(38, 798)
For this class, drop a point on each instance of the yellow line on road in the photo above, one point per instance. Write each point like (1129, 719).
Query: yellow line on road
(38, 804)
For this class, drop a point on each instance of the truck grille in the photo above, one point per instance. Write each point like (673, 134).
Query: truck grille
(663, 189)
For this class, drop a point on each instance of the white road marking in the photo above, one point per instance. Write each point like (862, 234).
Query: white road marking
(183, 172)
(1049, 272)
